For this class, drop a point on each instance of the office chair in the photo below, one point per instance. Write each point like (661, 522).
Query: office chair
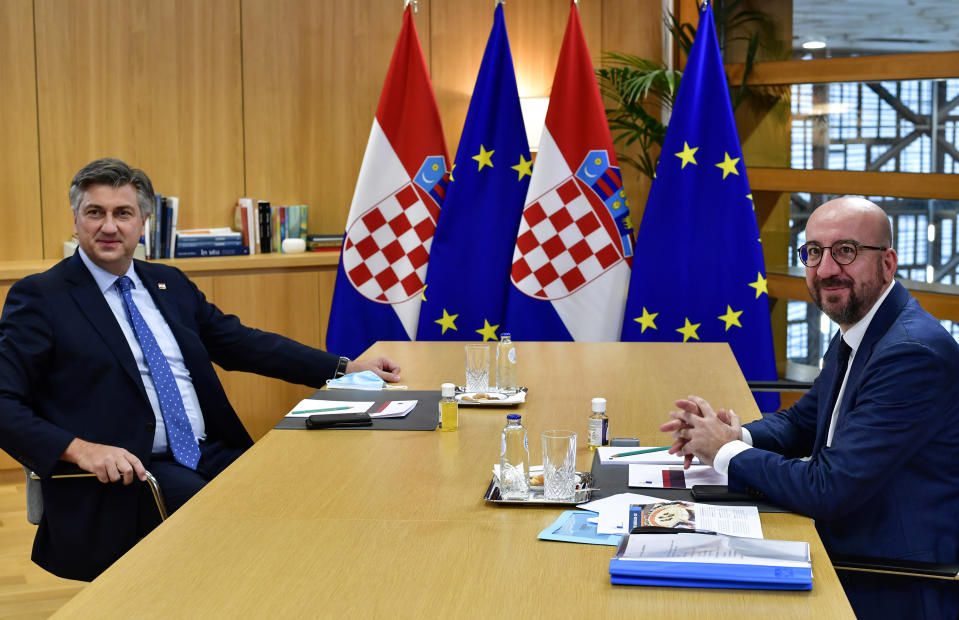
(905, 568)
(35, 497)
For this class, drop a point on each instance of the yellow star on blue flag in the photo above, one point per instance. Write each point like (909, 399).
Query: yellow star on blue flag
(472, 248)
(696, 251)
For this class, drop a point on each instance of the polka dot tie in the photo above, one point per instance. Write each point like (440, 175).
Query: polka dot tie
(178, 430)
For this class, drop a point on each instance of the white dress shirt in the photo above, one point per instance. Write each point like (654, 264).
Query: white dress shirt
(853, 337)
(164, 337)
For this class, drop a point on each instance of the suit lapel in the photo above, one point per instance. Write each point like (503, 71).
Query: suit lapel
(890, 309)
(825, 405)
(87, 294)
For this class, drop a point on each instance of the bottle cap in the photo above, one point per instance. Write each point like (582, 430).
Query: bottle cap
(513, 416)
(447, 390)
(504, 335)
(599, 405)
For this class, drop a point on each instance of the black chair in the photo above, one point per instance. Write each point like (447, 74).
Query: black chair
(65, 470)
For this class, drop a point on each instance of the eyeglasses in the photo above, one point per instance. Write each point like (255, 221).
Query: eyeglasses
(843, 252)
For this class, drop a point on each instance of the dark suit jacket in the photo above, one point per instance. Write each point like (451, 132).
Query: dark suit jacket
(67, 371)
(889, 484)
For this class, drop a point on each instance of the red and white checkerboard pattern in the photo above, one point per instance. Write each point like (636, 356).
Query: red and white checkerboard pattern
(561, 245)
(388, 247)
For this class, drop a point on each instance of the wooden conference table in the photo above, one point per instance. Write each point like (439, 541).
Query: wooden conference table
(360, 523)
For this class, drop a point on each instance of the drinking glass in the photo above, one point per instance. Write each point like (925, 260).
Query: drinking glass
(477, 368)
(559, 465)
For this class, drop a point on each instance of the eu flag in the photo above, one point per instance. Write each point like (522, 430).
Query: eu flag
(469, 268)
(698, 273)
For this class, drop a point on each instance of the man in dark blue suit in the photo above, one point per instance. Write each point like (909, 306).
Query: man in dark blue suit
(877, 429)
(107, 362)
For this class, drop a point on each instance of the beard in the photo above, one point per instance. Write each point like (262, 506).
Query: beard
(861, 297)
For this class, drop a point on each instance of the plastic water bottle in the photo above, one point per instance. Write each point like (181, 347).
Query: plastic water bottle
(506, 364)
(514, 460)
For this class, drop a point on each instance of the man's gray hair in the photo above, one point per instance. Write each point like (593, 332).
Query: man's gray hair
(115, 173)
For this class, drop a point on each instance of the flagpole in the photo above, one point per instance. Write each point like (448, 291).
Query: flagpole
(415, 4)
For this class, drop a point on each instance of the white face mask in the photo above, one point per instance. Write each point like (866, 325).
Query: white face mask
(365, 380)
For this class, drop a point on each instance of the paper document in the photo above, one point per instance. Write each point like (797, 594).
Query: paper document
(613, 517)
(661, 457)
(712, 549)
(730, 520)
(665, 477)
(394, 409)
(311, 406)
(574, 526)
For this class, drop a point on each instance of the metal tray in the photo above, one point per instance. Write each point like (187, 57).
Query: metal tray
(582, 494)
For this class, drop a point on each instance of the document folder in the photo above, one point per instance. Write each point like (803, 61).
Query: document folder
(701, 560)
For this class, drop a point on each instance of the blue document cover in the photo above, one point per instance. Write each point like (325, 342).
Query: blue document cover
(672, 559)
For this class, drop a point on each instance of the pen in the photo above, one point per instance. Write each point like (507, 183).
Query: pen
(323, 410)
(646, 451)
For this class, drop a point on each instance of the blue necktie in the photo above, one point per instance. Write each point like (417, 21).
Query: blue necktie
(178, 430)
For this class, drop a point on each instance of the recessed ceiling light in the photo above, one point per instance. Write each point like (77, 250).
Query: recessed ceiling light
(813, 45)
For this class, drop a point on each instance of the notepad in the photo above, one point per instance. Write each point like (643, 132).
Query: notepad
(394, 409)
(311, 406)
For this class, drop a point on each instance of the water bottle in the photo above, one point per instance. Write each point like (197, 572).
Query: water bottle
(514, 460)
(506, 364)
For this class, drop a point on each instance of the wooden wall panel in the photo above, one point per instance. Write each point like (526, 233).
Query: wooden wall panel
(154, 82)
(313, 72)
(535, 29)
(20, 235)
(633, 27)
(284, 303)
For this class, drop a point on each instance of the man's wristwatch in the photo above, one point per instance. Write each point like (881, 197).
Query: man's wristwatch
(341, 367)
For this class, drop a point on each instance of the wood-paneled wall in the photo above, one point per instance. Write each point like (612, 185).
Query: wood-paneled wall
(222, 98)
(217, 99)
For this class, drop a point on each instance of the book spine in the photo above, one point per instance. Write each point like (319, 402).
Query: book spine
(241, 250)
(174, 216)
(157, 226)
(248, 214)
(304, 221)
(212, 243)
(265, 233)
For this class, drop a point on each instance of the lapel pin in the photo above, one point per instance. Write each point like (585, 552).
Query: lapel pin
(161, 286)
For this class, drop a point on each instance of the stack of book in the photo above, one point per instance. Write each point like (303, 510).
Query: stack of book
(265, 226)
(209, 242)
(159, 231)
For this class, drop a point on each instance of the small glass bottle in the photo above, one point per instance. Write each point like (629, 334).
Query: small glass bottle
(514, 460)
(598, 425)
(449, 408)
(506, 364)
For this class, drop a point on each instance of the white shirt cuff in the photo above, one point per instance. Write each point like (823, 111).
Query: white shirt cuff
(747, 436)
(727, 452)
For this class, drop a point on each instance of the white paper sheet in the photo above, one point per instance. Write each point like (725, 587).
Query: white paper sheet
(651, 476)
(310, 406)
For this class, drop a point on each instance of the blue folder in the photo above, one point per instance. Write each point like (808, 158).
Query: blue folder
(692, 575)
(646, 564)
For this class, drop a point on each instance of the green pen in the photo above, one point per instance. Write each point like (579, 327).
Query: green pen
(322, 410)
(646, 451)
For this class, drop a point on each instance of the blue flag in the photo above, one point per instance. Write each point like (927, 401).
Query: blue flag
(469, 269)
(698, 273)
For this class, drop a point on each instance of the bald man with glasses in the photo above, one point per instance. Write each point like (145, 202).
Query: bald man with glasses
(871, 451)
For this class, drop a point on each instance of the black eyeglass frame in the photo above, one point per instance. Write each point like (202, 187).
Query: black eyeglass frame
(847, 242)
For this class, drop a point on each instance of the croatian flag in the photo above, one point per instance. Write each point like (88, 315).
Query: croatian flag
(573, 251)
(396, 204)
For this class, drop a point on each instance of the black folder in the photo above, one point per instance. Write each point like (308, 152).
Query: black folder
(424, 417)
